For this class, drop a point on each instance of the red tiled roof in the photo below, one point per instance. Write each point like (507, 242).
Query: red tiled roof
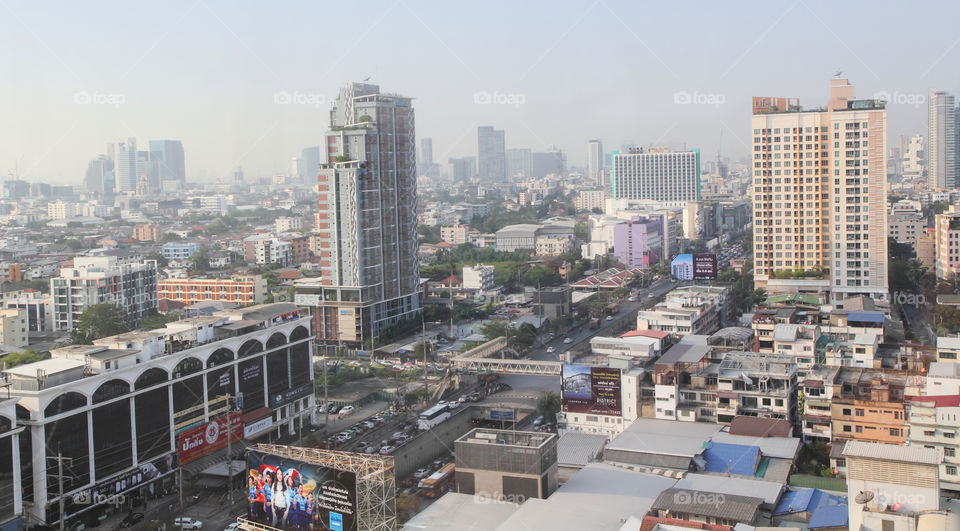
(290, 274)
(165, 305)
(760, 427)
(452, 280)
(656, 334)
(444, 245)
(938, 400)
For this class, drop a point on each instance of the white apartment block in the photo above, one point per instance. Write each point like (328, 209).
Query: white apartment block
(657, 174)
(13, 327)
(478, 277)
(457, 234)
(934, 422)
(61, 210)
(906, 226)
(819, 191)
(103, 279)
(914, 157)
(288, 224)
(948, 243)
(610, 425)
(552, 245)
(587, 200)
(214, 204)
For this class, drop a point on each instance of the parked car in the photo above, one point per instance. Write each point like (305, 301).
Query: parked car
(372, 449)
(567, 341)
(131, 519)
(322, 408)
(334, 408)
(368, 424)
(231, 527)
(537, 422)
(475, 396)
(185, 522)
(650, 295)
(463, 399)
(346, 411)
(551, 350)
(421, 473)
(387, 450)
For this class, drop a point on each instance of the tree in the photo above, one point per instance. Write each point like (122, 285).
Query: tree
(100, 320)
(541, 276)
(157, 320)
(22, 358)
(200, 261)
(898, 251)
(548, 405)
(582, 231)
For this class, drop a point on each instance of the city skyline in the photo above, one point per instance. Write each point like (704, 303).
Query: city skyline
(702, 86)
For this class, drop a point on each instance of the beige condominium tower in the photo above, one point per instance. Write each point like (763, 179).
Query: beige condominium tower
(819, 192)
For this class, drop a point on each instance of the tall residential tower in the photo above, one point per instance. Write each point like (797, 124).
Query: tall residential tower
(491, 155)
(819, 194)
(367, 220)
(943, 143)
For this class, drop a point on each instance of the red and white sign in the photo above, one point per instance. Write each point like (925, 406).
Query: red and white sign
(208, 438)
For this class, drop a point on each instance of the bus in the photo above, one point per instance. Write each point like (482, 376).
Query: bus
(438, 483)
(433, 416)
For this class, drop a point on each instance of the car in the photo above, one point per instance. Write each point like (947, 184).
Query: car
(131, 519)
(567, 341)
(475, 396)
(334, 408)
(421, 473)
(537, 422)
(397, 435)
(442, 403)
(609, 318)
(376, 418)
(387, 450)
(632, 298)
(346, 411)
(185, 522)
(322, 408)
(402, 439)
(368, 424)
(650, 295)
(231, 527)
(551, 350)
(372, 449)
(409, 427)
(463, 399)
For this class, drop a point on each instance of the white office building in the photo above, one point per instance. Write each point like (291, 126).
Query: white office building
(656, 174)
(103, 279)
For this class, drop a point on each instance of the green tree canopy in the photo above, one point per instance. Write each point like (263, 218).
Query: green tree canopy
(100, 320)
(22, 358)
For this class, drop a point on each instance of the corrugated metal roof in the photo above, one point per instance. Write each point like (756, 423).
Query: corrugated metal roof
(732, 458)
(579, 448)
(767, 490)
(684, 501)
(779, 447)
(890, 452)
(869, 317)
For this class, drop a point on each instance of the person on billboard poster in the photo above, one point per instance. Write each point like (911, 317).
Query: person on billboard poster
(268, 493)
(302, 507)
(280, 499)
(255, 495)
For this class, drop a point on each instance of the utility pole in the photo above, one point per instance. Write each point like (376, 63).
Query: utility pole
(229, 453)
(60, 459)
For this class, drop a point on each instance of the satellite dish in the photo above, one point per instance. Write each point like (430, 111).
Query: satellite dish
(882, 507)
(864, 497)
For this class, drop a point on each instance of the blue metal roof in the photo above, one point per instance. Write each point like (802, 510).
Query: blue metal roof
(826, 510)
(829, 516)
(795, 501)
(869, 317)
(732, 458)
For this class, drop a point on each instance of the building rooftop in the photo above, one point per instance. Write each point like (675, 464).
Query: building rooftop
(683, 501)
(684, 353)
(944, 369)
(461, 511)
(760, 427)
(599, 497)
(664, 437)
(948, 343)
(579, 449)
(728, 458)
(767, 490)
(890, 452)
(530, 439)
(50, 366)
(779, 447)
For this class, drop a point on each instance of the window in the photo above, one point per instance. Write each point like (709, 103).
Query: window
(859, 412)
(950, 452)
(846, 428)
(951, 470)
(894, 432)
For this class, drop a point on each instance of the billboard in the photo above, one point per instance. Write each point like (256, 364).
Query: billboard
(207, 438)
(701, 266)
(315, 496)
(593, 390)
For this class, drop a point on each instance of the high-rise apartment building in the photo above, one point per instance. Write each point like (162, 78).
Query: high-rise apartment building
(310, 163)
(656, 174)
(519, 164)
(948, 244)
(99, 179)
(914, 157)
(595, 162)
(170, 161)
(491, 155)
(94, 280)
(943, 166)
(123, 152)
(463, 168)
(819, 192)
(367, 219)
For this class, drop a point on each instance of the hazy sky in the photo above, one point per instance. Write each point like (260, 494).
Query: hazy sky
(74, 75)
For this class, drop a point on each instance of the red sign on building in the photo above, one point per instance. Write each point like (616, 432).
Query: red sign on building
(208, 438)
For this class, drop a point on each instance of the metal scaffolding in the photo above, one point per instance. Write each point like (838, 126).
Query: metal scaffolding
(508, 366)
(376, 484)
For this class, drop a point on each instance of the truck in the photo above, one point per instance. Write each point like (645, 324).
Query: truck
(594, 323)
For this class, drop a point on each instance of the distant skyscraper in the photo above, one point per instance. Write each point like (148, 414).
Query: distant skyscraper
(463, 168)
(595, 162)
(238, 175)
(310, 164)
(491, 155)
(543, 163)
(820, 193)
(519, 163)
(943, 166)
(124, 155)
(148, 169)
(426, 152)
(367, 218)
(170, 160)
